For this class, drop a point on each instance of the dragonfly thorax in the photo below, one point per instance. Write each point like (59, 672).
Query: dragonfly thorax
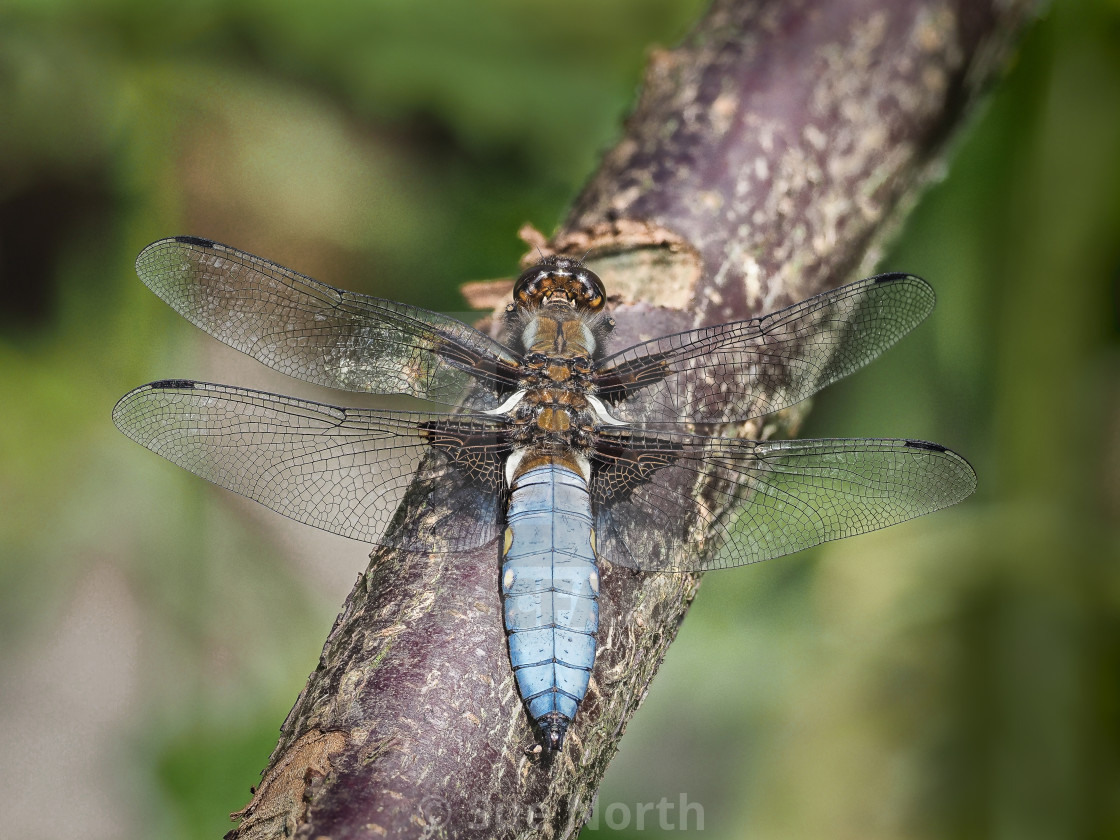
(560, 347)
(556, 418)
(556, 330)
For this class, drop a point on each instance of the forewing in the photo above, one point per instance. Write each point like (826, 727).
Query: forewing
(744, 369)
(759, 499)
(318, 333)
(340, 469)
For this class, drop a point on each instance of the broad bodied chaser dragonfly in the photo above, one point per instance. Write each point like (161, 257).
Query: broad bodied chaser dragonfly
(576, 451)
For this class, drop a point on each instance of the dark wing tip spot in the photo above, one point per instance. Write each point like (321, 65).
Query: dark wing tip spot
(924, 444)
(165, 384)
(196, 240)
(895, 276)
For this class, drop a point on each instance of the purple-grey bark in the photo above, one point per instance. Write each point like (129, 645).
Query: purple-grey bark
(767, 158)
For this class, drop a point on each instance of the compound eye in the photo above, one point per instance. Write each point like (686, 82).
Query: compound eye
(527, 287)
(591, 291)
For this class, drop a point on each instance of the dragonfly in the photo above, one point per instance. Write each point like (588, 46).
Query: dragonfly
(567, 453)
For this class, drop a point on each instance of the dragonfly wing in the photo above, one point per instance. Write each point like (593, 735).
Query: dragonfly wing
(759, 499)
(340, 469)
(318, 333)
(732, 372)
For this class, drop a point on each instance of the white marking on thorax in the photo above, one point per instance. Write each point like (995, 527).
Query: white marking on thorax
(584, 467)
(601, 413)
(509, 405)
(588, 338)
(512, 462)
(529, 333)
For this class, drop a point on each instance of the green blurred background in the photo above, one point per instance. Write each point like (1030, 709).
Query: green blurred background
(958, 676)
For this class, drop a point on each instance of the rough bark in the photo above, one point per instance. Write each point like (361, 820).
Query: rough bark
(766, 159)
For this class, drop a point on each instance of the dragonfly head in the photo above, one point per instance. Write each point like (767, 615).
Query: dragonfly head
(560, 280)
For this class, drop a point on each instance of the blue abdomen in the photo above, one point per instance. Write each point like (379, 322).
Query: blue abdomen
(551, 585)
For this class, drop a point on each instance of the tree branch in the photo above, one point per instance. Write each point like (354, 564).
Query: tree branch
(767, 158)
